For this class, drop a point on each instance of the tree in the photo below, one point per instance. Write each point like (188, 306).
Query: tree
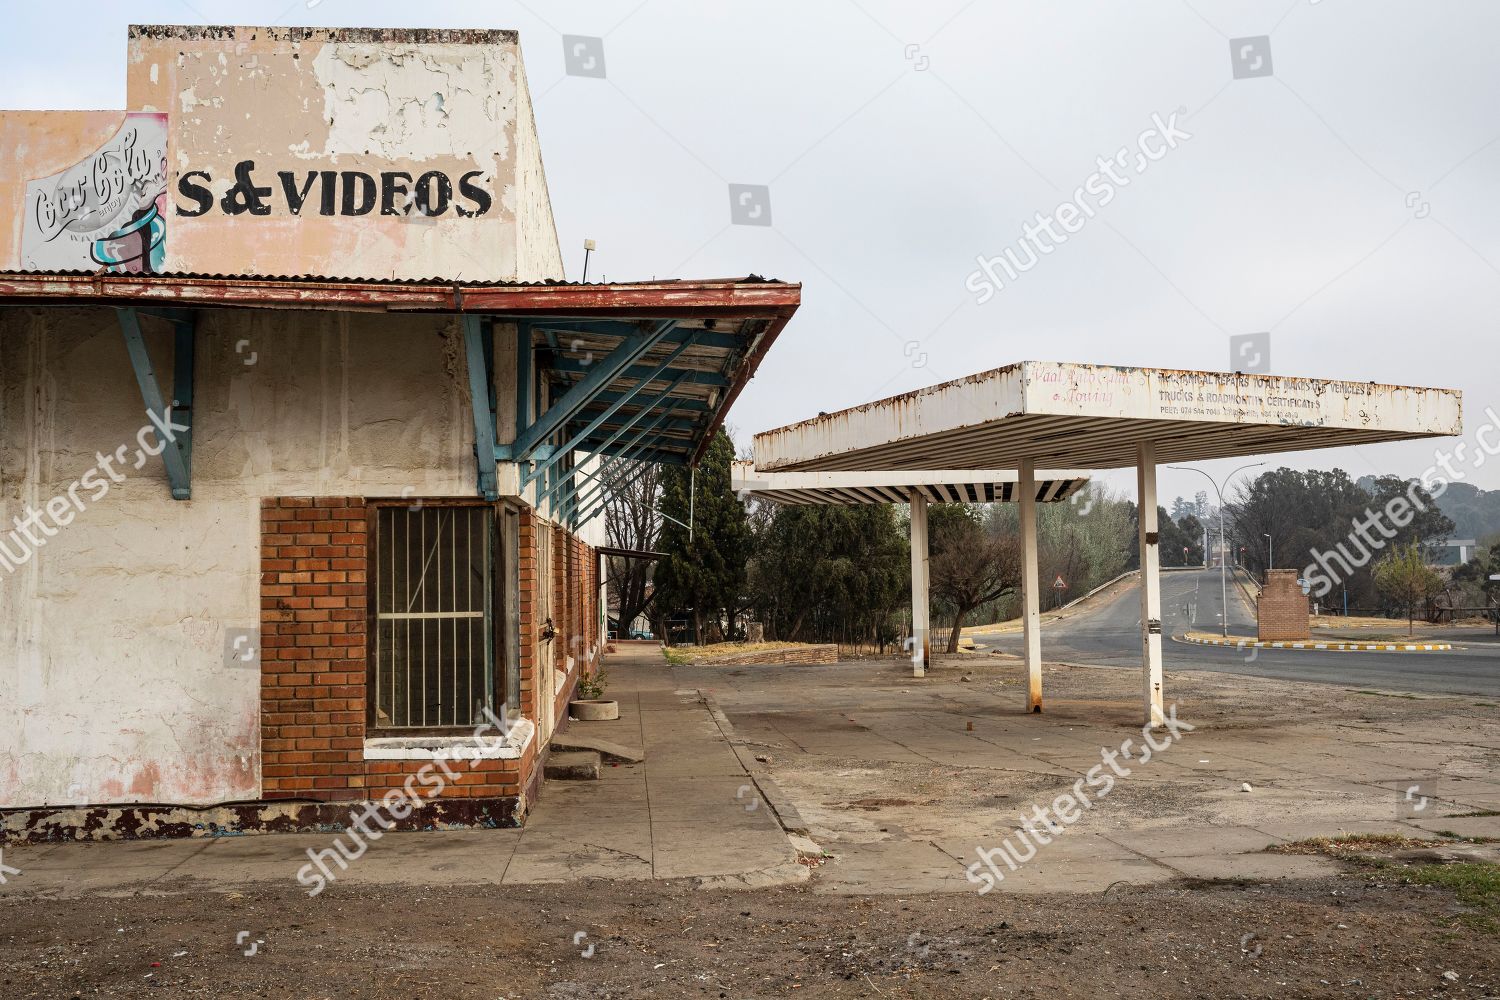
(1429, 526)
(1474, 575)
(631, 521)
(1403, 575)
(1180, 541)
(829, 573)
(1302, 512)
(969, 566)
(702, 570)
(1089, 540)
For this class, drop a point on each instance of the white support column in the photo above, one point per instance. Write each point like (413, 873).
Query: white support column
(1031, 593)
(919, 584)
(1147, 532)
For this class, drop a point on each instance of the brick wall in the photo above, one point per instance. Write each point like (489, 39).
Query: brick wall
(1283, 608)
(526, 590)
(312, 674)
(314, 668)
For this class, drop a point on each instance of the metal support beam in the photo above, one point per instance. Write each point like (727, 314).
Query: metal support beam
(479, 351)
(659, 455)
(173, 430)
(640, 451)
(184, 359)
(525, 386)
(640, 414)
(644, 437)
(1147, 531)
(609, 411)
(680, 424)
(1031, 593)
(678, 377)
(694, 376)
(583, 392)
(589, 510)
(608, 328)
(920, 654)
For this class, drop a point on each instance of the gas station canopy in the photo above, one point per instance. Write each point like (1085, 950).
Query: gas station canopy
(1096, 417)
(1057, 415)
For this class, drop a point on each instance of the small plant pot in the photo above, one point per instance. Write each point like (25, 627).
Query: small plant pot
(594, 710)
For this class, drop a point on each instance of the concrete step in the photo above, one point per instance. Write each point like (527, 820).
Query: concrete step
(582, 765)
(608, 748)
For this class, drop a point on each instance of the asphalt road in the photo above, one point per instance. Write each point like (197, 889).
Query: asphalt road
(1107, 633)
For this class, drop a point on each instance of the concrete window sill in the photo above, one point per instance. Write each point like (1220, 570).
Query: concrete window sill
(508, 747)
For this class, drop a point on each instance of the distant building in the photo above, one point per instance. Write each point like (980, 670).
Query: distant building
(1453, 552)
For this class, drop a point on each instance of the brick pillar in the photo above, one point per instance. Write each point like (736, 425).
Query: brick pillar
(1282, 609)
(313, 593)
(560, 597)
(526, 590)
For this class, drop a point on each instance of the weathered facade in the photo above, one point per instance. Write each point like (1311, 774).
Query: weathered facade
(389, 154)
(264, 536)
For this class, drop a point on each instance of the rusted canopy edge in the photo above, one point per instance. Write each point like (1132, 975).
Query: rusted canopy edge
(666, 300)
(747, 372)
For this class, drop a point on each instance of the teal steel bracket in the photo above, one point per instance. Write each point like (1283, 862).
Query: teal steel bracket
(172, 423)
(479, 351)
(587, 509)
(619, 400)
(630, 423)
(642, 441)
(572, 402)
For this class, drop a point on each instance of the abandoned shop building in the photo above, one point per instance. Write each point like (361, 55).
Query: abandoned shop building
(303, 436)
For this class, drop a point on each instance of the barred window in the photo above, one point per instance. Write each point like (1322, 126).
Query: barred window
(433, 663)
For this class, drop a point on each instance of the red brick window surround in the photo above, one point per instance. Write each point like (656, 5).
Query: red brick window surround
(317, 650)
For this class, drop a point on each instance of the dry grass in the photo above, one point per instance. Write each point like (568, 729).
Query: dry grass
(683, 655)
(1350, 844)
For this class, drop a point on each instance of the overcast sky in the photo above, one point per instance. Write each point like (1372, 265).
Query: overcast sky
(1339, 194)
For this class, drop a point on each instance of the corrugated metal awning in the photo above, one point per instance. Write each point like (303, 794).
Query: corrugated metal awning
(720, 330)
(937, 486)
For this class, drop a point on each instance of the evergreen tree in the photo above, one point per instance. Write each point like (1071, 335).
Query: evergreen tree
(702, 571)
(831, 573)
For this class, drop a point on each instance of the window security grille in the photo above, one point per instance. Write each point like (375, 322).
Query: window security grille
(434, 616)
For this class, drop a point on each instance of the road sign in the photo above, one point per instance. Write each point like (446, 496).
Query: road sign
(1059, 583)
(1306, 587)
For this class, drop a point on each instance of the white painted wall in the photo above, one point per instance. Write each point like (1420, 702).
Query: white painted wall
(112, 678)
(538, 255)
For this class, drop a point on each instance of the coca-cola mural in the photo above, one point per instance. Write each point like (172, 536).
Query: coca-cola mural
(106, 212)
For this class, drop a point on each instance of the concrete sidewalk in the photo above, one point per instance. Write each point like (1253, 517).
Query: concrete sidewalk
(689, 810)
(903, 781)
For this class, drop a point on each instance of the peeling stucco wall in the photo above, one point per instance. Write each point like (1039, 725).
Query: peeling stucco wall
(113, 681)
(538, 255)
(287, 151)
(351, 122)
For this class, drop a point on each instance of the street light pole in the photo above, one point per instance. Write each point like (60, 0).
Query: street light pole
(1223, 561)
(1270, 555)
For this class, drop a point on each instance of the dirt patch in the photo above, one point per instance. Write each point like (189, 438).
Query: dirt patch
(1349, 936)
(881, 803)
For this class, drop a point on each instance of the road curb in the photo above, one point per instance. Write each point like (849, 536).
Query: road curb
(782, 809)
(1336, 645)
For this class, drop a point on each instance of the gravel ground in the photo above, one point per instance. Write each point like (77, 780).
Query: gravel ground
(1358, 935)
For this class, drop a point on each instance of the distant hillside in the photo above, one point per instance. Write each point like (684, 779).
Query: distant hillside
(1475, 513)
